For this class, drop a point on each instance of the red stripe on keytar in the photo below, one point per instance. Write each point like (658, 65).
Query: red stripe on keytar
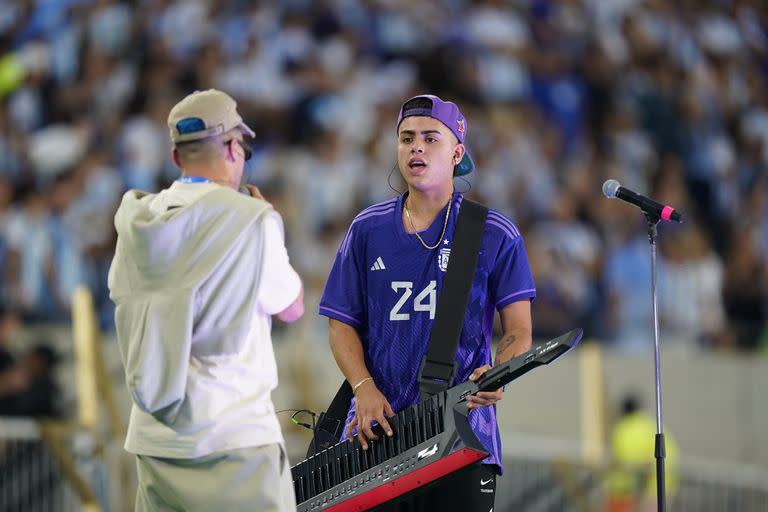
(406, 483)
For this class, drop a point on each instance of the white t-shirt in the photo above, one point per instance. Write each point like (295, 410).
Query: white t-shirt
(249, 373)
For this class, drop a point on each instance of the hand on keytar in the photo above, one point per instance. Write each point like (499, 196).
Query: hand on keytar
(370, 406)
(483, 398)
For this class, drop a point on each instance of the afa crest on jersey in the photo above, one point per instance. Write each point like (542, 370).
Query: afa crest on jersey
(442, 258)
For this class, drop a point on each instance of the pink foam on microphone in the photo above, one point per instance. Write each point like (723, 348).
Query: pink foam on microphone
(667, 212)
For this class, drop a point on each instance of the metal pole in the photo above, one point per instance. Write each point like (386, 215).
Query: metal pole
(660, 449)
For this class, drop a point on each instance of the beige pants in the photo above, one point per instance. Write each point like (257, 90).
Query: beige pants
(252, 479)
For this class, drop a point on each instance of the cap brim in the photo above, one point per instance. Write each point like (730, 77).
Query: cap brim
(466, 166)
(247, 130)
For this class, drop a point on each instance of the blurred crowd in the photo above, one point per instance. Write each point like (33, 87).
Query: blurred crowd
(669, 98)
(28, 383)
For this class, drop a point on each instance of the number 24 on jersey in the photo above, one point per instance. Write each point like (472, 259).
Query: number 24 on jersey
(426, 300)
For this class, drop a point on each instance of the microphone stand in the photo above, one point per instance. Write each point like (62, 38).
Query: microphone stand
(660, 448)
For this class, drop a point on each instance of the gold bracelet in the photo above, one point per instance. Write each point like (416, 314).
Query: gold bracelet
(354, 388)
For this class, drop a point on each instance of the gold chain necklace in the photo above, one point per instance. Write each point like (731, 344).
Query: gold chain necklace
(445, 225)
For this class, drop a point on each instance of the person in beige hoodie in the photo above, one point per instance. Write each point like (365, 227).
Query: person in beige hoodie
(198, 272)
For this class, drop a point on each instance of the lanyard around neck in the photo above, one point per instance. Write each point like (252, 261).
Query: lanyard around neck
(193, 179)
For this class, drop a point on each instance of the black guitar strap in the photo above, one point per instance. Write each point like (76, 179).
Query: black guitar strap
(438, 367)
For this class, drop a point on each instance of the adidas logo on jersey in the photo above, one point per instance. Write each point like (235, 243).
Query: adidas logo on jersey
(378, 264)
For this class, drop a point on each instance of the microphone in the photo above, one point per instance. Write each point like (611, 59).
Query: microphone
(612, 189)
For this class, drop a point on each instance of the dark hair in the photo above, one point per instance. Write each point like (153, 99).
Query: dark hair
(419, 102)
(630, 404)
(46, 353)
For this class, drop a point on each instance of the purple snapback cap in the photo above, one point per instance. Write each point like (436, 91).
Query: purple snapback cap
(447, 113)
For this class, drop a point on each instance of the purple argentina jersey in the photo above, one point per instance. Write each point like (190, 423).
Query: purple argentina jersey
(385, 284)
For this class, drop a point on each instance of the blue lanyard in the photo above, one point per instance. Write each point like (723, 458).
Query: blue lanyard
(193, 179)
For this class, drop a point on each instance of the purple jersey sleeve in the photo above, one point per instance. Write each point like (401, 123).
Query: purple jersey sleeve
(344, 298)
(511, 279)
